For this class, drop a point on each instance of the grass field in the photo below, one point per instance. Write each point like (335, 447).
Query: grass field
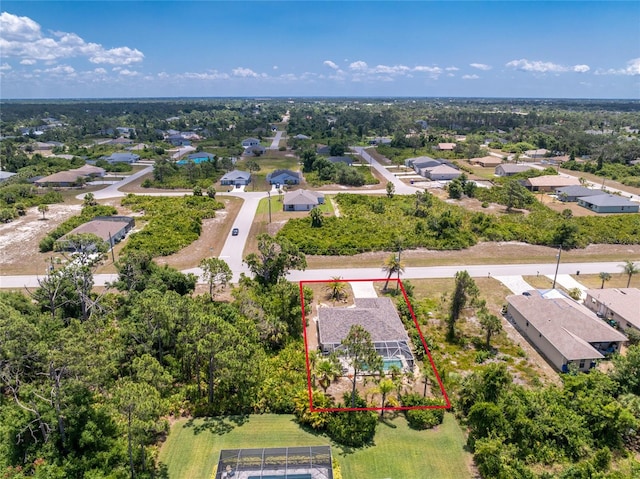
(191, 450)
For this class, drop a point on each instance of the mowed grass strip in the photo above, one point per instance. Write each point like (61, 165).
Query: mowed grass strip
(192, 449)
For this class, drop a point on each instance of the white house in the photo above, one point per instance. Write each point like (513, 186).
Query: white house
(302, 200)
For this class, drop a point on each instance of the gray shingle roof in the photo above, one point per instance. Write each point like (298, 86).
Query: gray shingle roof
(377, 315)
(577, 190)
(567, 325)
(608, 200)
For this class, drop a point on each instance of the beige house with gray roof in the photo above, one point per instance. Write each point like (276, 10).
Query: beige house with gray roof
(621, 305)
(566, 332)
(379, 317)
(302, 200)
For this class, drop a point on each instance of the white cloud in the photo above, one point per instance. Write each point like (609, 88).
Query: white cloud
(244, 73)
(330, 64)
(128, 73)
(19, 29)
(545, 67)
(452, 69)
(632, 69)
(4, 67)
(210, 75)
(358, 66)
(480, 66)
(60, 70)
(27, 62)
(391, 70)
(470, 77)
(275, 67)
(100, 71)
(22, 37)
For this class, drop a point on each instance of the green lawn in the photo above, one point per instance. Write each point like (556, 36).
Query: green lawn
(191, 450)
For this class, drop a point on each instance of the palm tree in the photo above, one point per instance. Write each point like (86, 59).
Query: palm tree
(392, 265)
(328, 370)
(385, 386)
(630, 268)
(43, 208)
(316, 217)
(336, 288)
(604, 276)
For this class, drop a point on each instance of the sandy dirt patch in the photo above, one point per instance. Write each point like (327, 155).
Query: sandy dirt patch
(19, 239)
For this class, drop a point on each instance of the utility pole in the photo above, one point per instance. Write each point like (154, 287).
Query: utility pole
(557, 266)
(269, 193)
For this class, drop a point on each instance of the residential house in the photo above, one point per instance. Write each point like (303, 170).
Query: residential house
(62, 179)
(119, 142)
(605, 203)
(302, 137)
(121, 158)
(540, 153)
(247, 142)
(5, 175)
(441, 173)
(446, 146)
(566, 332)
(90, 170)
(510, 169)
(302, 200)
(572, 193)
(110, 229)
(178, 140)
(421, 162)
(347, 160)
(422, 124)
(284, 177)
(236, 178)
(324, 150)
(379, 317)
(486, 161)
(621, 305)
(256, 150)
(550, 182)
(380, 140)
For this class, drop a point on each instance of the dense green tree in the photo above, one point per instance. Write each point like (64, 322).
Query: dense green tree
(359, 351)
(216, 273)
(464, 294)
(316, 217)
(274, 260)
(490, 323)
(391, 189)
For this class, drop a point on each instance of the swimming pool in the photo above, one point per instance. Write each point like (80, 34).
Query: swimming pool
(388, 362)
(201, 159)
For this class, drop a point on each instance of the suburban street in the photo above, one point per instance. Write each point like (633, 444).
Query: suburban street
(477, 271)
(233, 249)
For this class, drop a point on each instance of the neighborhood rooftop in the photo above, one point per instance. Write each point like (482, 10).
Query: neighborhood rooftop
(567, 325)
(377, 315)
(623, 302)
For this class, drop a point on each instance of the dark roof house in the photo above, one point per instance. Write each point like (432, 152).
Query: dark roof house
(572, 193)
(284, 177)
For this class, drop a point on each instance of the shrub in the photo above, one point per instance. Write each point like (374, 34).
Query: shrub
(353, 428)
(422, 418)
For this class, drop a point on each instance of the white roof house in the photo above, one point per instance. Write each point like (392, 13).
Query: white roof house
(302, 200)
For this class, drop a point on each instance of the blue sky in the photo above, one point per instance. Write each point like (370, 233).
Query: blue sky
(96, 49)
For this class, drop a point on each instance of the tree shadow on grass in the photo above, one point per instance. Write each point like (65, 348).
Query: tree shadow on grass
(162, 471)
(386, 420)
(216, 425)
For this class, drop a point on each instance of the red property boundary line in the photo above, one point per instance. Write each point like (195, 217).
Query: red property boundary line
(447, 404)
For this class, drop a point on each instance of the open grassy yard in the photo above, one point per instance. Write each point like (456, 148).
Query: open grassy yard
(192, 448)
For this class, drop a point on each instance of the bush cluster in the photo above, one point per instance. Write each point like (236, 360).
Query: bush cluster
(87, 214)
(173, 223)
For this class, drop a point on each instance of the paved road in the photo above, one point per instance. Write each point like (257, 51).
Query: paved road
(275, 144)
(113, 190)
(401, 187)
(476, 271)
